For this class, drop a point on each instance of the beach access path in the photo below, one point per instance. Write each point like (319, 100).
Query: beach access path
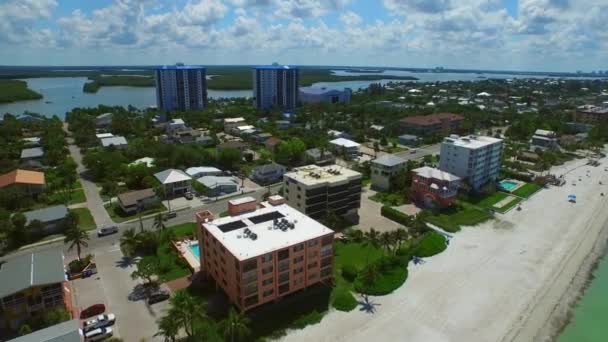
(498, 281)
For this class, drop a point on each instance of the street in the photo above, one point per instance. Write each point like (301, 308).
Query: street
(420, 153)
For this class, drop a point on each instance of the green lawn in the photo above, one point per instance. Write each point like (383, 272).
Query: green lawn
(386, 198)
(430, 244)
(85, 219)
(453, 218)
(118, 216)
(77, 196)
(489, 202)
(183, 229)
(171, 265)
(527, 190)
(389, 281)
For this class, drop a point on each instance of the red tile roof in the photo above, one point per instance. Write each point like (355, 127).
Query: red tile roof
(432, 119)
(21, 177)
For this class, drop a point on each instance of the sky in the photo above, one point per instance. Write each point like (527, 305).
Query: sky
(538, 35)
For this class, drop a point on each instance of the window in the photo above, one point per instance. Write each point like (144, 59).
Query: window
(267, 281)
(250, 265)
(312, 276)
(250, 301)
(268, 293)
(327, 240)
(298, 259)
(267, 257)
(251, 289)
(283, 277)
(283, 288)
(298, 248)
(313, 243)
(284, 254)
(325, 262)
(313, 254)
(283, 265)
(326, 272)
(326, 250)
(298, 270)
(267, 270)
(313, 265)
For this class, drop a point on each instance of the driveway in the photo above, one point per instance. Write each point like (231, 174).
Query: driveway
(94, 201)
(369, 214)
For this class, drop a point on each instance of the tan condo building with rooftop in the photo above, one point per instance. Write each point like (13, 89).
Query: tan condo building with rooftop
(261, 255)
(318, 190)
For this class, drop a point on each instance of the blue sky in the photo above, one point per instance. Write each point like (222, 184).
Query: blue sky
(560, 35)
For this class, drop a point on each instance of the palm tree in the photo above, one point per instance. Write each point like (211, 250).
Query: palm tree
(159, 223)
(369, 275)
(129, 241)
(372, 239)
(386, 240)
(355, 235)
(74, 235)
(400, 235)
(168, 327)
(187, 311)
(236, 325)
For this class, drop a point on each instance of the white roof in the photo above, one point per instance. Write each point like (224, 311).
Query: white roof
(246, 127)
(233, 120)
(471, 141)
(191, 171)
(242, 200)
(269, 238)
(433, 173)
(214, 181)
(32, 139)
(345, 142)
(544, 133)
(377, 127)
(116, 141)
(313, 174)
(171, 176)
(484, 94)
(104, 135)
(414, 91)
(145, 160)
(177, 122)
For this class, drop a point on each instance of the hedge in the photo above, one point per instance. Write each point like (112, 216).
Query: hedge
(395, 215)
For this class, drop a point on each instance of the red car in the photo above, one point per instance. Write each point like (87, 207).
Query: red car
(95, 309)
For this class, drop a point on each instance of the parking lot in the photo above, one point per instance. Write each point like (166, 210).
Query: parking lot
(113, 286)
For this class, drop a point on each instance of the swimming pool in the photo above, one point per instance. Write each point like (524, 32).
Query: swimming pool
(194, 250)
(508, 185)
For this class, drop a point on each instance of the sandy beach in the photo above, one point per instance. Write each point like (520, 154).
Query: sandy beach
(510, 279)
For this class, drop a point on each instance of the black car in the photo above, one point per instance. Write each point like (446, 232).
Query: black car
(158, 297)
(169, 215)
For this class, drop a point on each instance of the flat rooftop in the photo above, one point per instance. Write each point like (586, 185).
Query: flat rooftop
(313, 174)
(242, 200)
(253, 234)
(471, 141)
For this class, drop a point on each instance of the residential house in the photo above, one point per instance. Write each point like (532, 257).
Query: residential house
(175, 125)
(116, 141)
(337, 134)
(283, 124)
(384, 168)
(315, 156)
(239, 145)
(261, 138)
(543, 139)
(267, 174)
(434, 188)
(271, 143)
(32, 141)
(202, 171)
(149, 162)
(52, 218)
(175, 182)
(31, 182)
(433, 124)
(103, 120)
(34, 153)
(218, 185)
(231, 123)
(101, 136)
(30, 285)
(130, 201)
(345, 147)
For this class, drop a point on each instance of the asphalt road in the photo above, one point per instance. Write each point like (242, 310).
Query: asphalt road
(420, 153)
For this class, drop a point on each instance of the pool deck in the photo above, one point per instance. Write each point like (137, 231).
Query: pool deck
(183, 249)
(519, 185)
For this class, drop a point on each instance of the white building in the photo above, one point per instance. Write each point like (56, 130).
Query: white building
(232, 123)
(175, 182)
(202, 171)
(318, 190)
(116, 141)
(543, 140)
(476, 159)
(345, 146)
(384, 168)
(175, 125)
(181, 87)
(275, 86)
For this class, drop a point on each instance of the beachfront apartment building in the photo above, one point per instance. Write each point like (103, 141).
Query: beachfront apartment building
(475, 159)
(385, 167)
(181, 88)
(319, 190)
(259, 256)
(433, 124)
(275, 86)
(30, 285)
(432, 187)
(591, 114)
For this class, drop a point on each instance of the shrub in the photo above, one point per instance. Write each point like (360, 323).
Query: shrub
(396, 215)
(388, 280)
(345, 301)
(349, 272)
(76, 266)
(430, 244)
(311, 318)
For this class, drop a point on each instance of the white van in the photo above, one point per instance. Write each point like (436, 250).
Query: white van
(107, 230)
(98, 334)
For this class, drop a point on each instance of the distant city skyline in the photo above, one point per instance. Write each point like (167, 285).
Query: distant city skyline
(530, 35)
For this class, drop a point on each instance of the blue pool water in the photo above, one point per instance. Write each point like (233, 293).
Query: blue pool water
(507, 185)
(194, 249)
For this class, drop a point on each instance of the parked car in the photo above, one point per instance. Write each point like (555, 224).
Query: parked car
(101, 321)
(107, 230)
(95, 309)
(188, 195)
(98, 334)
(158, 297)
(169, 215)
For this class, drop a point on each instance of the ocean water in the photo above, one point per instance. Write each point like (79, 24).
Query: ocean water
(590, 320)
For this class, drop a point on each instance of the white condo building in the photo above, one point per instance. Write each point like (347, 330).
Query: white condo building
(475, 159)
(181, 88)
(275, 86)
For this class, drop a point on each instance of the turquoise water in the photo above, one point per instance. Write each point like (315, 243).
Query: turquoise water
(507, 185)
(588, 323)
(194, 249)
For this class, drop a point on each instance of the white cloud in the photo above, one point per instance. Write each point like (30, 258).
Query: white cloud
(350, 19)
(16, 17)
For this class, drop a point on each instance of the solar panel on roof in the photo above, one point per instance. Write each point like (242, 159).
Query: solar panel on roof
(265, 217)
(228, 227)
